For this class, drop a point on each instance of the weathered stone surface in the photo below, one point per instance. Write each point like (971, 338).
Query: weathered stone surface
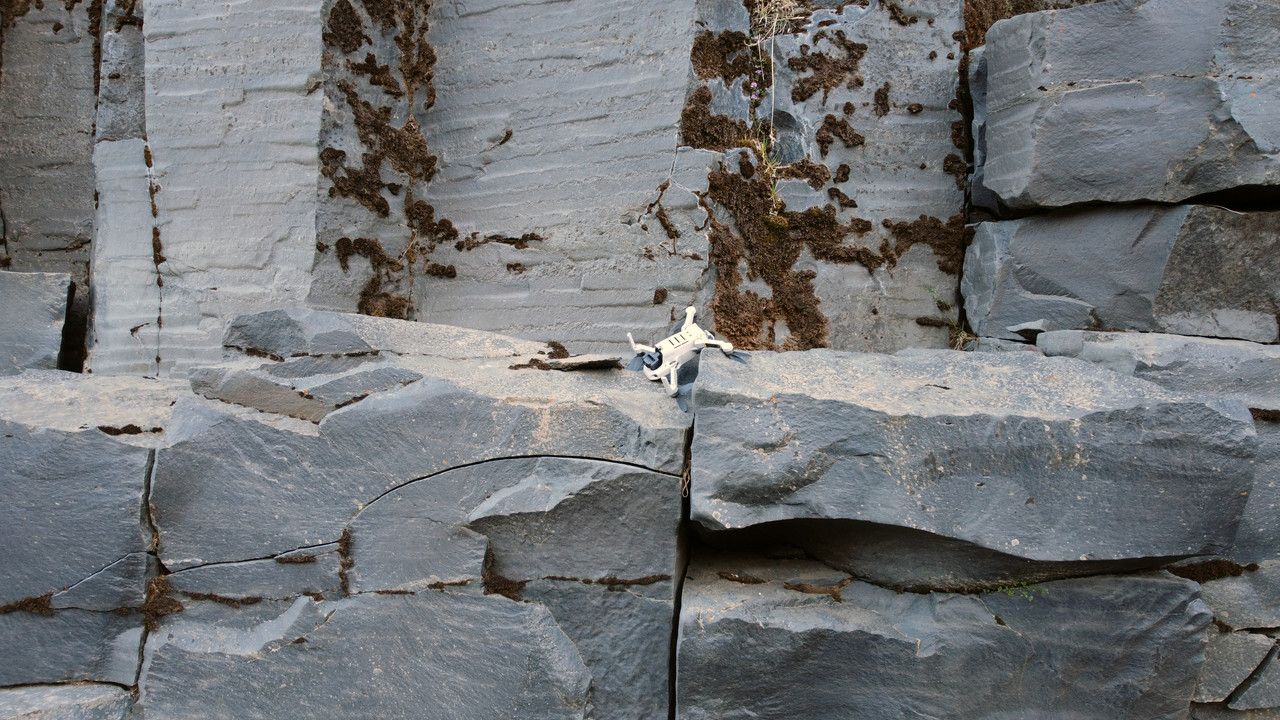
(381, 656)
(623, 635)
(125, 333)
(69, 646)
(72, 702)
(1259, 536)
(310, 481)
(232, 124)
(1194, 270)
(293, 331)
(121, 73)
(1263, 691)
(569, 156)
(1247, 600)
(47, 99)
(132, 410)
(769, 639)
(1008, 451)
(1229, 659)
(1160, 100)
(308, 571)
(1233, 369)
(35, 308)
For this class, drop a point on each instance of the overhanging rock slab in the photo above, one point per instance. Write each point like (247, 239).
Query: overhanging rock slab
(35, 308)
(1015, 453)
(1190, 269)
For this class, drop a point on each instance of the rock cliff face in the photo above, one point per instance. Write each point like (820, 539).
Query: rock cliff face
(313, 398)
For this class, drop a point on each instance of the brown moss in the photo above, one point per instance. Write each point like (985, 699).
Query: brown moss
(368, 248)
(295, 559)
(1203, 572)
(558, 351)
(659, 296)
(842, 174)
(898, 15)
(811, 589)
(41, 605)
(1265, 415)
(712, 52)
(158, 603)
(495, 584)
(345, 560)
(882, 100)
(222, 599)
(379, 75)
(931, 322)
(768, 240)
(441, 271)
(394, 592)
(700, 129)
(668, 227)
(442, 585)
(345, 29)
(617, 584)
(947, 240)
(157, 249)
(833, 127)
(515, 268)
(534, 364)
(828, 72)
(845, 201)
(955, 165)
(363, 184)
(743, 578)
(816, 174)
(519, 243)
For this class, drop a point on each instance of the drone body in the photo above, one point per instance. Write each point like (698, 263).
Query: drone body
(662, 361)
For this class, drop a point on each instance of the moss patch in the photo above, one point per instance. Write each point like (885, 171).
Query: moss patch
(1203, 572)
(721, 55)
(882, 100)
(41, 605)
(701, 129)
(947, 240)
(827, 72)
(816, 174)
(833, 127)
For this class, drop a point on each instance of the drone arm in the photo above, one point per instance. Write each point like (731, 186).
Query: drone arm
(638, 348)
(724, 346)
(689, 312)
(669, 381)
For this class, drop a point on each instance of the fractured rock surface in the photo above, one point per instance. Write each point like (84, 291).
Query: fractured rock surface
(779, 639)
(1116, 102)
(74, 702)
(1008, 451)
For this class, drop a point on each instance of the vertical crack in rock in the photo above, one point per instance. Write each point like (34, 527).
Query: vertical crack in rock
(1253, 676)
(157, 249)
(683, 535)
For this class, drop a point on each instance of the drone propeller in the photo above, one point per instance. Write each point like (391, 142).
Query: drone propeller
(683, 393)
(740, 356)
(636, 363)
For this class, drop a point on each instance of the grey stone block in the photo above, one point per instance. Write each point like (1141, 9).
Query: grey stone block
(624, 639)
(1161, 100)
(125, 332)
(1194, 270)
(1219, 711)
(73, 702)
(121, 82)
(1229, 660)
(779, 639)
(1008, 451)
(307, 398)
(69, 646)
(1234, 369)
(47, 104)
(35, 308)
(1259, 536)
(1263, 692)
(369, 656)
(74, 507)
(1247, 600)
(132, 410)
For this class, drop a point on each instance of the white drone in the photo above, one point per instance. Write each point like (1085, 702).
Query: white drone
(662, 361)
